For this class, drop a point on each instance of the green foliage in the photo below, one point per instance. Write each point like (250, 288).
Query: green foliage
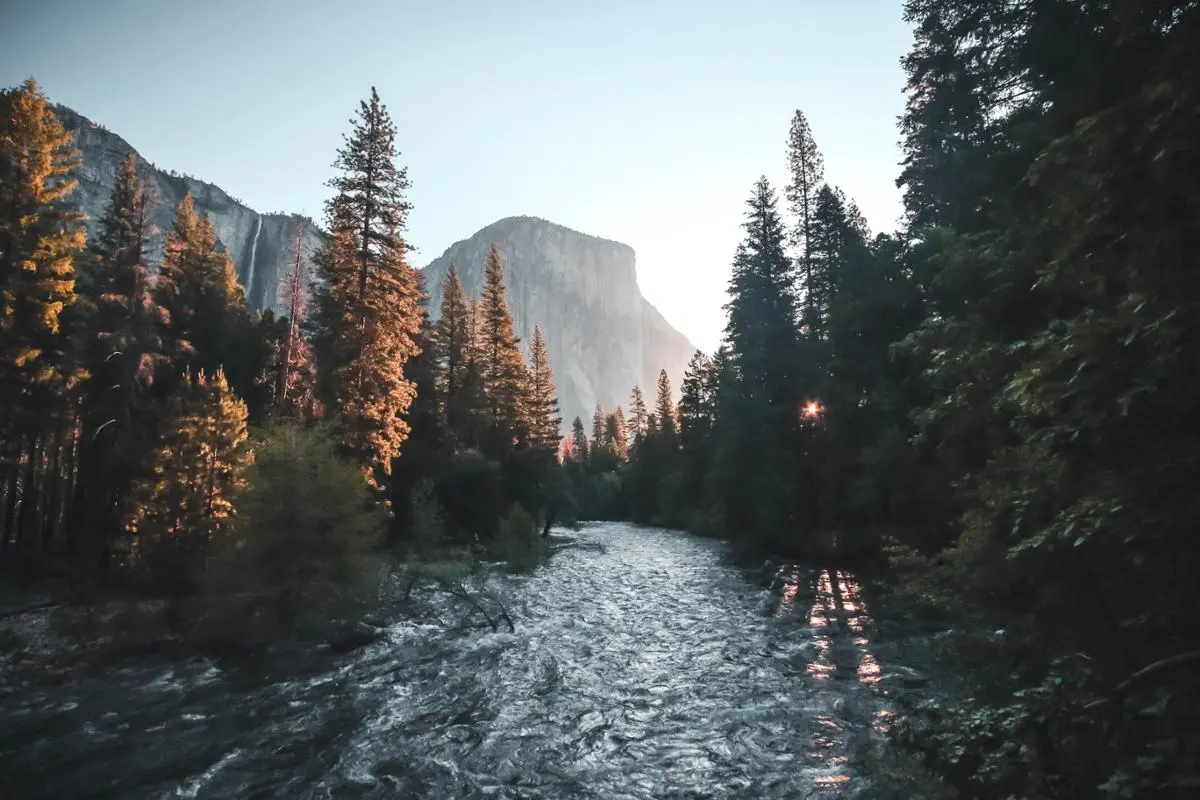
(472, 492)
(518, 542)
(186, 504)
(1058, 402)
(296, 559)
(367, 311)
(198, 290)
(428, 520)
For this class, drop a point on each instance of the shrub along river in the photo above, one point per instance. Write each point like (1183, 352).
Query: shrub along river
(645, 664)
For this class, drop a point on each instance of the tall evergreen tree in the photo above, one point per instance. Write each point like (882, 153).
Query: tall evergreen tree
(367, 309)
(39, 241)
(504, 374)
(807, 168)
(758, 448)
(199, 291)
(695, 402)
(579, 442)
(599, 438)
(664, 407)
(637, 418)
(188, 500)
(454, 350)
(291, 372)
(618, 429)
(125, 349)
(697, 413)
(837, 236)
(542, 403)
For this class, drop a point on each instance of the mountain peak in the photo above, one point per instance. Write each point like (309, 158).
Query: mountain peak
(602, 336)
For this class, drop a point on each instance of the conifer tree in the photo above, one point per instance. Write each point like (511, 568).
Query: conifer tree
(291, 373)
(454, 350)
(39, 241)
(837, 242)
(542, 403)
(504, 374)
(579, 442)
(367, 312)
(614, 433)
(198, 289)
(125, 349)
(664, 407)
(697, 413)
(758, 448)
(695, 402)
(807, 169)
(637, 418)
(188, 500)
(599, 438)
(617, 431)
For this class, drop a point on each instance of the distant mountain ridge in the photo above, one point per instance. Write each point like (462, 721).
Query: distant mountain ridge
(602, 335)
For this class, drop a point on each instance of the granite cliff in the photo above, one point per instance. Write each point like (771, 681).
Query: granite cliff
(262, 245)
(602, 336)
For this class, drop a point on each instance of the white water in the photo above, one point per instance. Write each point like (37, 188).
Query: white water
(253, 258)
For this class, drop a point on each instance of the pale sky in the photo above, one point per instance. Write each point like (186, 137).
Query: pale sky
(635, 120)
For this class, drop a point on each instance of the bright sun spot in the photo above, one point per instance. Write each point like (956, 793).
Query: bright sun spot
(812, 409)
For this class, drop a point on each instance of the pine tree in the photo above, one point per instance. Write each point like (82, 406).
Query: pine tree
(637, 418)
(504, 374)
(807, 169)
(188, 501)
(837, 242)
(291, 372)
(579, 442)
(664, 407)
(697, 417)
(39, 242)
(125, 349)
(599, 440)
(618, 432)
(427, 450)
(367, 310)
(695, 402)
(455, 352)
(761, 328)
(542, 403)
(758, 447)
(39, 239)
(198, 289)
(614, 434)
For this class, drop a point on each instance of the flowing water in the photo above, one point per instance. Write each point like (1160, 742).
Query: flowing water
(645, 664)
(253, 261)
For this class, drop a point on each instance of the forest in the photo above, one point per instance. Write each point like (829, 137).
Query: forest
(995, 405)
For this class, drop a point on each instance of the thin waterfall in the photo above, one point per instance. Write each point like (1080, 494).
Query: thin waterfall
(253, 257)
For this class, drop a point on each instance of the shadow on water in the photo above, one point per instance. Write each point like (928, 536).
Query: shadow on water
(645, 664)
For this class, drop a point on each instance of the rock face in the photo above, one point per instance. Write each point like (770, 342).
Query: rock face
(262, 245)
(602, 336)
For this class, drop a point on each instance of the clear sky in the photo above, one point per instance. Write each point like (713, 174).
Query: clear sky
(641, 121)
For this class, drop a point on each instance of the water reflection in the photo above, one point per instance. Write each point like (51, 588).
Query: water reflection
(837, 611)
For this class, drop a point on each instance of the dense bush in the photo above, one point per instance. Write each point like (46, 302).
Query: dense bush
(304, 551)
(518, 542)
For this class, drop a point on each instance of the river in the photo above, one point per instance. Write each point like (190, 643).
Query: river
(645, 664)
